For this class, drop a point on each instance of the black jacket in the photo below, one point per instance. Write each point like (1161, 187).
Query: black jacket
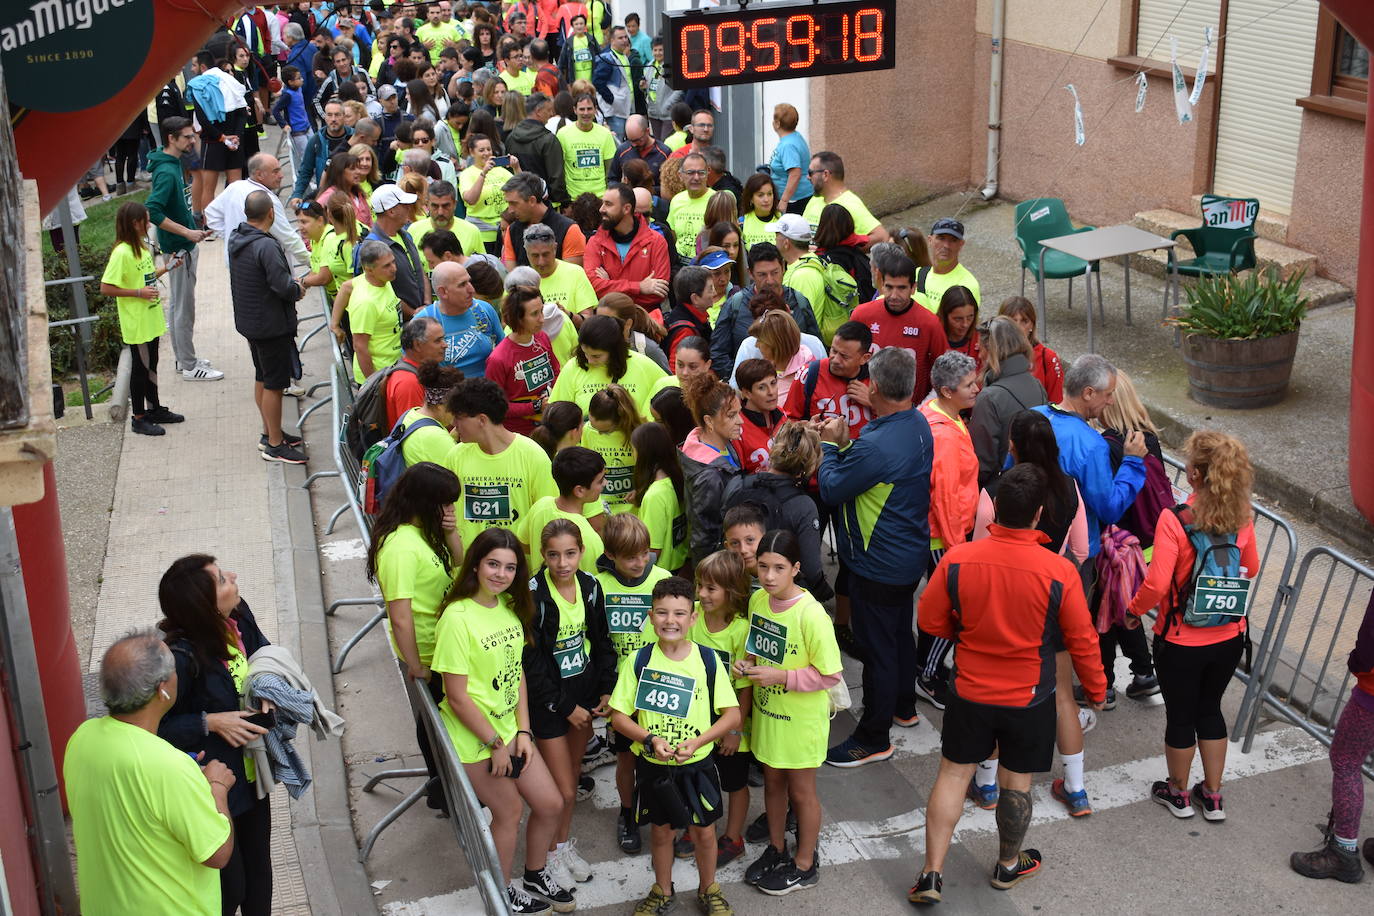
(565, 56)
(202, 689)
(799, 515)
(260, 284)
(539, 152)
(542, 677)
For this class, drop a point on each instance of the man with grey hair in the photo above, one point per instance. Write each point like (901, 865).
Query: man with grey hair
(417, 161)
(374, 312)
(422, 340)
(527, 202)
(151, 827)
(880, 484)
(264, 299)
(537, 149)
(226, 211)
(1089, 388)
(471, 327)
(560, 282)
(718, 173)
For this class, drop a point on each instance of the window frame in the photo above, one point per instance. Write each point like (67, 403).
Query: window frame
(1332, 93)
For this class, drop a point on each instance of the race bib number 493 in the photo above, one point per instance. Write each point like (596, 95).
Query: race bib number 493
(665, 693)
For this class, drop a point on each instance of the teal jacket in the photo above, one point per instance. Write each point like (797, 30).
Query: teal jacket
(168, 200)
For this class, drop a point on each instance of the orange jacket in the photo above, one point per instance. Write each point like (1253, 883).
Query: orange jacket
(953, 479)
(1003, 599)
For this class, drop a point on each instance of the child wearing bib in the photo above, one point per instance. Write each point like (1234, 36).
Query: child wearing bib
(612, 419)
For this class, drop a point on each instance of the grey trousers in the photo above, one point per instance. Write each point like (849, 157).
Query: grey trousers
(181, 316)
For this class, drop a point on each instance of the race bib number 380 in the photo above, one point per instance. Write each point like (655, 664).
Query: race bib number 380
(767, 640)
(486, 502)
(664, 693)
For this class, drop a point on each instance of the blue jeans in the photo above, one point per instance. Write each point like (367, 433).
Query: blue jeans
(616, 126)
(882, 618)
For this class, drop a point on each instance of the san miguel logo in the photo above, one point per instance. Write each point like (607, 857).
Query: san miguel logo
(68, 55)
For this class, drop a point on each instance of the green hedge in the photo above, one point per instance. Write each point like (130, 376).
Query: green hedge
(103, 354)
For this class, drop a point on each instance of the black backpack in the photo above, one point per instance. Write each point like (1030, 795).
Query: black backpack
(367, 425)
(764, 495)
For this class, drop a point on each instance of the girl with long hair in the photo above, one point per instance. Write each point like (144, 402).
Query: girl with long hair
(481, 184)
(342, 175)
(1044, 362)
(603, 357)
(837, 239)
(659, 494)
(958, 314)
(560, 427)
(709, 459)
(643, 333)
(726, 236)
(780, 342)
(761, 213)
(611, 419)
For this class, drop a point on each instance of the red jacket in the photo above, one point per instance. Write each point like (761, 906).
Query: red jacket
(953, 479)
(756, 439)
(829, 399)
(648, 257)
(1001, 599)
(1045, 366)
(916, 330)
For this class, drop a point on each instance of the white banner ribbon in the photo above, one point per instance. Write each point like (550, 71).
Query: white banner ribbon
(1079, 138)
(1201, 67)
(1181, 106)
(1141, 85)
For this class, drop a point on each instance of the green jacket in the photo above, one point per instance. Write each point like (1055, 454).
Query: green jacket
(168, 199)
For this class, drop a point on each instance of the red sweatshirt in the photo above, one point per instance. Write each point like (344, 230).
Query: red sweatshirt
(513, 367)
(646, 257)
(830, 398)
(1010, 592)
(1045, 366)
(916, 330)
(756, 438)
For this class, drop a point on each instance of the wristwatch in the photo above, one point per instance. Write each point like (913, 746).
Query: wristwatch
(648, 745)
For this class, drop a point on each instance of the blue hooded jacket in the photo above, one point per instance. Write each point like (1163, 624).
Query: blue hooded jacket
(1085, 456)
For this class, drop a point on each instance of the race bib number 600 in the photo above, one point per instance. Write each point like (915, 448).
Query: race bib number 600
(664, 693)
(767, 640)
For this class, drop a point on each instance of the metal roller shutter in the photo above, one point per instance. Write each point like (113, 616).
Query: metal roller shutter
(1269, 50)
(1184, 19)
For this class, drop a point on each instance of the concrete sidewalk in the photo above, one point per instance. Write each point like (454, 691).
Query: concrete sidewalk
(1299, 447)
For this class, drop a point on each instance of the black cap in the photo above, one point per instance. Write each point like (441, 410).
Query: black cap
(948, 226)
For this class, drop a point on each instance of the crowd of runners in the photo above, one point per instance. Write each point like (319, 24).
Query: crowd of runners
(614, 404)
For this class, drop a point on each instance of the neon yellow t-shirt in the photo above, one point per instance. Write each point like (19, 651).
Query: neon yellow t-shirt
(486, 644)
(498, 489)
(864, 222)
(566, 340)
(936, 284)
(804, 276)
(582, 59)
(335, 252)
(667, 381)
(669, 698)
(627, 608)
(620, 466)
(569, 287)
(490, 204)
(438, 34)
(586, 155)
(729, 647)
(686, 217)
(571, 654)
(143, 820)
(469, 236)
(523, 82)
(578, 385)
(676, 140)
(754, 230)
(140, 320)
(530, 529)
(661, 512)
(408, 568)
(790, 728)
(372, 310)
(428, 443)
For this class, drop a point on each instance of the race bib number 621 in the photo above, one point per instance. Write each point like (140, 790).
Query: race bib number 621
(486, 503)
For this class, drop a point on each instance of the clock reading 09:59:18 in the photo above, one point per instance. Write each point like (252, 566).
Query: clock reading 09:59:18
(769, 42)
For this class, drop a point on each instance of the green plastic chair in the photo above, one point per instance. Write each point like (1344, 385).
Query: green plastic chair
(1046, 218)
(1225, 242)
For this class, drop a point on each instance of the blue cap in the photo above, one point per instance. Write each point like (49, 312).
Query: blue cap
(713, 260)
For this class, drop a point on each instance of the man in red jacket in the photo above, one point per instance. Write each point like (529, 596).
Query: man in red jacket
(626, 255)
(1009, 604)
(898, 320)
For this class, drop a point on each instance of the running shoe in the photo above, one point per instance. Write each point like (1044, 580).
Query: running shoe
(656, 903)
(932, 690)
(294, 441)
(543, 885)
(1331, 861)
(1081, 698)
(713, 903)
(586, 786)
(1209, 802)
(202, 371)
(1027, 864)
(984, 797)
(757, 832)
(294, 391)
(927, 888)
(787, 877)
(283, 453)
(1177, 802)
(598, 754)
(521, 902)
(772, 858)
(1076, 802)
(558, 871)
(146, 427)
(1087, 719)
(163, 415)
(1368, 850)
(728, 850)
(577, 866)
(627, 833)
(907, 721)
(850, 753)
(683, 847)
(1142, 686)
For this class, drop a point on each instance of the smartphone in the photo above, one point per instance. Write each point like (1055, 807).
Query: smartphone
(516, 765)
(267, 720)
(502, 161)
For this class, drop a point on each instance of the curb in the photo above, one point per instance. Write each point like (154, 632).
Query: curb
(321, 823)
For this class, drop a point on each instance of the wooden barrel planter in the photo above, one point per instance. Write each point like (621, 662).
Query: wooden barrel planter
(1239, 374)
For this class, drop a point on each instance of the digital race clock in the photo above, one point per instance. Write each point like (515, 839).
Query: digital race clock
(718, 47)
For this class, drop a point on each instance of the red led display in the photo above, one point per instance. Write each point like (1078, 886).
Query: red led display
(718, 47)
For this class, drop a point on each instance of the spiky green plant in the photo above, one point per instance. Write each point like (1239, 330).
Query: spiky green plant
(1234, 307)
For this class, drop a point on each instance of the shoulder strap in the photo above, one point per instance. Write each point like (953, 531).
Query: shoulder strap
(998, 384)
(921, 275)
(642, 659)
(420, 423)
(708, 661)
(813, 375)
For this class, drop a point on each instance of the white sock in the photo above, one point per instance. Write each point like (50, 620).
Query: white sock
(1347, 845)
(986, 774)
(1073, 771)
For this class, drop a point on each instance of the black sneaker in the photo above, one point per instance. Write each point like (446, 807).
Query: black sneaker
(932, 690)
(1142, 686)
(1081, 698)
(757, 831)
(683, 847)
(1208, 802)
(287, 439)
(844, 636)
(1027, 864)
(772, 858)
(1331, 861)
(541, 884)
(146, 427)
(283, 453)
(927, 888)
(787, 878)
(1177, 802)
(627, 833)
(586, 786)
(163, 415)
(521, 902)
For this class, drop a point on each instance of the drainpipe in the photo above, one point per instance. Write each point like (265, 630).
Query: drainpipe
(999, 15)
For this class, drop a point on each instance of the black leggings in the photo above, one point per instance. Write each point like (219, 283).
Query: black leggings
(125, 159)
(143, 378)
(245, 884)
(1192, 680)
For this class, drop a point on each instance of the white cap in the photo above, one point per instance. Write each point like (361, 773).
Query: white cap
(388, 196)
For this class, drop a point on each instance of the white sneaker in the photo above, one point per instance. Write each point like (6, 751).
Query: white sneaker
(558, 869)
(294, 391)
(202, 371)
(575, 864)
(1087, 718)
